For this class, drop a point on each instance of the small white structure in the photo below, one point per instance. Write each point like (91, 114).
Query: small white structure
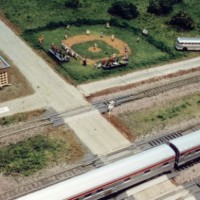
(68, 26)
(112, 37)
(111, 105)
(87, 32)
(4, 75)
(107, 25)
(145, 31)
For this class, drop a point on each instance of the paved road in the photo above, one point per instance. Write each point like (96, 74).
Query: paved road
(93, 129)
(90, 88)
(52, 91)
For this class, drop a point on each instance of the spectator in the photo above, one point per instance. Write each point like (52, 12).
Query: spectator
(107, 25)
(101, 34)
(113, 37)
(84, 61)
(87, 32)
(95, 46)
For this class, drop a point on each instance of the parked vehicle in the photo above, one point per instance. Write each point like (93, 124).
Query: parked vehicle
(187, 43)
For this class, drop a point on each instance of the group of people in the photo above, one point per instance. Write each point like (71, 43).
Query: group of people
(58, 53)
(70, 51)
(112, 61)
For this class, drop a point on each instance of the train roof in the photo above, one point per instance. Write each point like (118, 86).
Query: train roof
(104, 175)
(187, 142)
(188, 39)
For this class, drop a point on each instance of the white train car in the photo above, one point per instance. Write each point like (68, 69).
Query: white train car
(187, 147)
(110, 178)
(187, 43)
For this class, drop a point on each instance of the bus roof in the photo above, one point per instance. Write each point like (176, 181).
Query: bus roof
(188, 39)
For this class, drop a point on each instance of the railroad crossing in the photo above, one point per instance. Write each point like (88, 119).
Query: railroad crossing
(93, 130)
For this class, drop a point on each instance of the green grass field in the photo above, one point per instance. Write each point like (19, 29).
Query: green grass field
(35, 153)
(36, 17)
(29, 156)
(141, 51)
(162, 115)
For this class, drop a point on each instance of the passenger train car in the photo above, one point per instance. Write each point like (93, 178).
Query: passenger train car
(186, 43)
(123, 173)
(187, 148)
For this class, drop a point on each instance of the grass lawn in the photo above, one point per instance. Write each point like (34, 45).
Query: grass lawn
(141, 51)
(28, 156)
(54, 147)
(50, 19)
(163, 115)
(47, 147)
(35, 153)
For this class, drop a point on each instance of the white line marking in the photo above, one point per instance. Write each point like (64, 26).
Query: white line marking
(4, 109)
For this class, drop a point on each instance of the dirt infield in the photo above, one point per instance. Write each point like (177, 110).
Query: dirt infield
(116, 44)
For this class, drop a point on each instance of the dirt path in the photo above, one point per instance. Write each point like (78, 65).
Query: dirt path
(116, 43)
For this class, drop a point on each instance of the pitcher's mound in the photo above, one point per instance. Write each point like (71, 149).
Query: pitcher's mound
(94, 50)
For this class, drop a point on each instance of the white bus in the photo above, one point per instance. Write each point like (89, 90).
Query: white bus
(187, 43)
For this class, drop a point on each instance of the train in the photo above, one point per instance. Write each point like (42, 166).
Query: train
(113, 177)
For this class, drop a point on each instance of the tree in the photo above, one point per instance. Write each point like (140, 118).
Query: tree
(177, 1)
(182, 20)
(160, 7)
(73, 3)
(124, 10)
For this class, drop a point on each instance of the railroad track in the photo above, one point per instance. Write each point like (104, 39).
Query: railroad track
(52, 119)
(102, 106)
(45, 182)
(92, 164)
(21, 128)
(144, 145)
(193, 189)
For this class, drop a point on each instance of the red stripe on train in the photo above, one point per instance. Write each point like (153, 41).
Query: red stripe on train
(125, 177)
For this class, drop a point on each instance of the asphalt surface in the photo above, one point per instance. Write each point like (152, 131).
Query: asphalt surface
(51, 91)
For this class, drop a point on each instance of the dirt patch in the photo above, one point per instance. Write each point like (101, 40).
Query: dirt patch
(124, 130)
(19, 87)
(116, 44)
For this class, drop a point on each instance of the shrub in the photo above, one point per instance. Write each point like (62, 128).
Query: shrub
(183, 21)
(73, 3)
(29, 156)
(177, 1)
(160, 7)
(124, 9)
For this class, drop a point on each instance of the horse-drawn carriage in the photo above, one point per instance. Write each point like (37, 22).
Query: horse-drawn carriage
(113, 63)
(59, 54)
